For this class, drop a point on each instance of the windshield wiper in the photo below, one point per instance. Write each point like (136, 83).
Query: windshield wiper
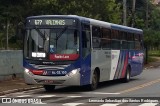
(40, 33)
(60, 34)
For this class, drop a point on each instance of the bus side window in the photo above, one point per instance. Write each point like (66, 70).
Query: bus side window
(115, 39)
(137, 42)
(141, 41)
(86, 41)
(106, 38)
(96, 37)
(131, 42)
(124, 43)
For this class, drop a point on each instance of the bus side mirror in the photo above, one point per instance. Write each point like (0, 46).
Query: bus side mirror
(20, 31)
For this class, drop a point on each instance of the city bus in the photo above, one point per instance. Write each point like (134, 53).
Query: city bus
(70, 50)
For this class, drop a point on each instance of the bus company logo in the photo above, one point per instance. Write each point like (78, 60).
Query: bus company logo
(61, 56)
(44, 72)
(113, 56)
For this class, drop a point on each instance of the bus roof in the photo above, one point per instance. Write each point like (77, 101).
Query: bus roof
(95, 22)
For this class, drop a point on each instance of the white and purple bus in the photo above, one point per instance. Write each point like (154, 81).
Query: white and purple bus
(75, 51)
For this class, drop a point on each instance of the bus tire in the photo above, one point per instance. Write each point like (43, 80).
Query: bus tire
(95, 81)
(49, 88)
(127, 77)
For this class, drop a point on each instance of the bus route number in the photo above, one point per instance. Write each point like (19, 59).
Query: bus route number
(38, 22)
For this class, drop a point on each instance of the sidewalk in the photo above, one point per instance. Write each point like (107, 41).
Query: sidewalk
(153, 64)
(17, 84)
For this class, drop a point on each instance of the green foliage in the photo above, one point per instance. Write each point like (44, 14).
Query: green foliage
(152, 39)
(151, 59)
(15, 11)
(154, 53)
(155, 20)
(152, 34)
(107, 10)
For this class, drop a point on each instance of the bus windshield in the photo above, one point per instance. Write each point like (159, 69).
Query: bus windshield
(54, 43)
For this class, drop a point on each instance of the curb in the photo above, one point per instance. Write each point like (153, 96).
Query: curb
(151, 66)
(19, 90)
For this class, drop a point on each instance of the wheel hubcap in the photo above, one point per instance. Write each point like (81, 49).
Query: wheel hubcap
(128, 76)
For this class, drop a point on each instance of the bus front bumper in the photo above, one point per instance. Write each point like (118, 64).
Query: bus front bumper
(73, 79)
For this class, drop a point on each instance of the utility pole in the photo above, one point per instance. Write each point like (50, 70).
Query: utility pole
(146, 22)
(124, 13)
(133, 13)
(147, 14)
(7, 27)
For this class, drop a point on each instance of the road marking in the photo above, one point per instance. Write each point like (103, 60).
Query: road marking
(148, 104)
(74, 96)
(103, 93)
(109, 104)
(30, 91)
(19, 93)
(140, 86)
(24, 96)
(2, 96)
(72, 104)
(46, 96)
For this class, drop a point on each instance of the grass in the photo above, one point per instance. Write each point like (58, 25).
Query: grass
(154, 53)
(151, 59)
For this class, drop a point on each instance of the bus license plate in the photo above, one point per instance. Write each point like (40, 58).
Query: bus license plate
(48, 81)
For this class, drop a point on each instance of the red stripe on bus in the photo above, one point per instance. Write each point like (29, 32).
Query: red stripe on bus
(37, 72)
(125, 66)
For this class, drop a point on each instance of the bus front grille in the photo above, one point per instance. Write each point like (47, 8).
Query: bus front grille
(49, 67)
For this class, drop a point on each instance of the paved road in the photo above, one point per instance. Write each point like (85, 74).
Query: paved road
(145, 85)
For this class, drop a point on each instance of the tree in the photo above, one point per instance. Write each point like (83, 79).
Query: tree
(11, 14)
(15, 11)
(155, 18)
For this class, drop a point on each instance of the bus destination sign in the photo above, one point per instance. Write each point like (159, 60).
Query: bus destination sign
(51, 22)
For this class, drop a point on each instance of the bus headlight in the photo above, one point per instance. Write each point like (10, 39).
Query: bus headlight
(73, 72)
(28, 71)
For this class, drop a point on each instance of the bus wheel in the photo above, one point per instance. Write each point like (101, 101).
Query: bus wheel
(49, 88)
(127, 75)
(94, 83)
